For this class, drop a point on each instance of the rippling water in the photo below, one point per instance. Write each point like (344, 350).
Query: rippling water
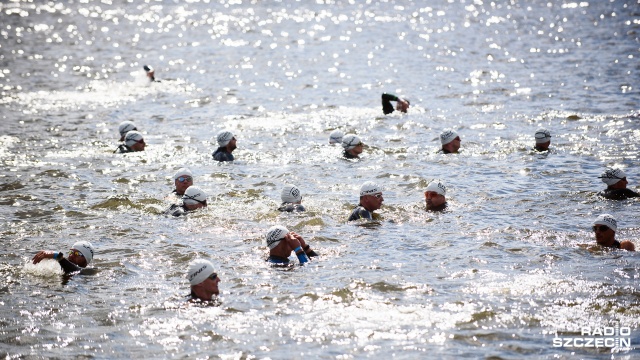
(508, 266)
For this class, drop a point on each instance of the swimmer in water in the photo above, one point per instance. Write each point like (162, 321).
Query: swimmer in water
(336, 137)
(203, 279)
(291, 199)
(133, 142)
(125, 127)
(282, 242)
(193, 199)
(605, 227)
(435, 196)
(370, 200)
(352, 146)
(227, 143)
(450, 142)
(616, 181)
(151, 73)
(402, 105)
(182, 179)
(80, 256)
(543, 140)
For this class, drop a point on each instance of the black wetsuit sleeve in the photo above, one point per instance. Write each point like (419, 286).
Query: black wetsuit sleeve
(387, 107)
(68, 267)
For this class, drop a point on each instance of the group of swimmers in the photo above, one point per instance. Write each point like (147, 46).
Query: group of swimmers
(282, 242)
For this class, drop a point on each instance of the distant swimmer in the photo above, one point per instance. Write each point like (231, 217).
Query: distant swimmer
(282, 242)
(151, 73)
(291, 199)
(435, 196)
(352, 146)
(203, 279)
(133, 141)
(605, 227)
(543, 140)
(193, 199)
(182, 179)
(79, 257)
(227, 143)
(125, 127)
(370, 200)
(616, 181)
(336, 137)
(402, 105)
(450, 142)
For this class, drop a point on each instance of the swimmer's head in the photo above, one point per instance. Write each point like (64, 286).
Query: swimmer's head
(607, 220)
(350, 141)
(612, 176)
(134, 140)
(182, 172)
(336, 137)
(194, 197)
(275, 234)
(224, 137)
(291, 194)
(182, 179)
(86, 249)
(542, 136)
(150, 72)
(199, 270)
(448, 136)
(125, 127)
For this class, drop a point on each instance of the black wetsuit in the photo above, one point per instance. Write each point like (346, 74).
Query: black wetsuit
(618, 194)
(360, 213)
(123, 149)
(289, 207)
(346, 155)
(68, 267)
(221, 154)
(387, 107)
(176, 210)
(443, 151)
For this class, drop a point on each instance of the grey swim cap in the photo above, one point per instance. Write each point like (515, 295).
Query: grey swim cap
(290, 194)
(447, 136)
(542, 136)
(194, 195)
(199, 271)
(336, 137)
(612, 176)
(437, 186)
(224, 137)
(86, 249)
(369, 188)
(182, 172)
(275, 234)
(132, 137)
(350, 141)
(607, 220)
(125, 127)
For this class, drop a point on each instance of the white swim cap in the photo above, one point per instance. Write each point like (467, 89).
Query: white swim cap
(86, 249)
(612, 176)
(350, 141)
(182, 172)
(125, 127)
(132, 137)
(447, 136)
(369, 188)
(224, 137)
(275, 234)
(542, 136)
(290, 194)
(194, 195)
(335, 137)
(199, 271)
(607, 220)
(438, 187)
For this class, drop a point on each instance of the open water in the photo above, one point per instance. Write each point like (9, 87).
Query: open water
(509, 267)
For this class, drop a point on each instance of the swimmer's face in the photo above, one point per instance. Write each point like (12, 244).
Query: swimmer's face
(604, 234)
(139, 145)
(182, 183)
(211, 285)
(622, 184)
(433, 199)
(357, 150)
(402, 106)
(232, 144)
(372, 202)
(543, 146)
(455, 144)
(77, 258)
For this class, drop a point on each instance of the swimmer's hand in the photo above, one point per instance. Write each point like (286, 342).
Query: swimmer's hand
(42, 255)
(627, 245)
